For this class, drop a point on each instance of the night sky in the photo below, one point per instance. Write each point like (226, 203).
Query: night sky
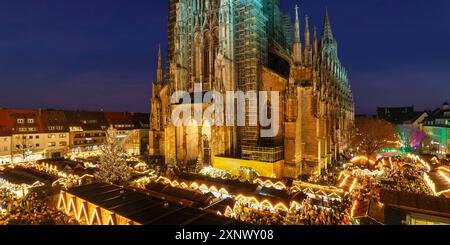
(101, 54)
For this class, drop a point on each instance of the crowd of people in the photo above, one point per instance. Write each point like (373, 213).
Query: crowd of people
(329, 179)
(406, 180)
(29, 210)
(402, 177)
(337, 213)
(314, 215)
(248, 214)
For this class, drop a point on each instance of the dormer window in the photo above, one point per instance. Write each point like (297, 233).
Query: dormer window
(30, 120)
(20, 121)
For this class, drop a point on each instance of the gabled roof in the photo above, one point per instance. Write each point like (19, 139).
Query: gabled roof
(88, 120)
(418, 203)
(9, 125)
(145, 209)
(54, 118)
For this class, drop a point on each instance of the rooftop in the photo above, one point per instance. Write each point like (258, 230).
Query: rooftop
(143, 208)
(417, 203)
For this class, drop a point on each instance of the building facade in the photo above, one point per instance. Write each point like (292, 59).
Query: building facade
(132, 129)
(35, 134)
(437, 127)
(236, 45)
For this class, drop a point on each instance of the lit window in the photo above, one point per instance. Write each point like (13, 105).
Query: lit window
(30, 120)
(20, 121)
(51, 136)
(51, 144)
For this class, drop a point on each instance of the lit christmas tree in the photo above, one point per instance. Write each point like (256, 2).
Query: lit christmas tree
(113, 164)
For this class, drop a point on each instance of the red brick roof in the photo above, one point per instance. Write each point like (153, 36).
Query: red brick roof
(122, 118)
(9, 125)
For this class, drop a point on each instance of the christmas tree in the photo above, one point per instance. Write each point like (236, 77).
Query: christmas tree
(113, 167)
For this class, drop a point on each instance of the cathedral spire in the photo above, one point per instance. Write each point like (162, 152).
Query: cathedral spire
(307, 33)
(159, 76)
(328, 43)
(297, 41)
(327, 33)
(315, 40)
(307, 52)
(297, 26)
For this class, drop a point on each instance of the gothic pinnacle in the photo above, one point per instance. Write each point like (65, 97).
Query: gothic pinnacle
(159, 77)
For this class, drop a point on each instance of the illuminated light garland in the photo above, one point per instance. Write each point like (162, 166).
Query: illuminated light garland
(140, 165)
(174, 183)
(353, 185)
(184, 185)
(281, 206)
(336, 196)
(357, 159)
(435, 159)
(295, 189)
(344, 181)
(430, 183)
(444, 169)
(194, 186)
(446, 178)
(264, 204)
(352, 213)
(269, 184)
(111, 220)
(229, 211)
(223, 191)
(95, 215)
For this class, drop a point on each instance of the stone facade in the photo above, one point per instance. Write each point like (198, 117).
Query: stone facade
(216, 44)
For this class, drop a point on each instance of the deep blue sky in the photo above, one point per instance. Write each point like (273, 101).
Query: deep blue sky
(101, 54)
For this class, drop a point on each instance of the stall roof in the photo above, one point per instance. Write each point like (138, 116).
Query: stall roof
(441, 182)
(418, 203)
(234, 186)
(145, 209)
(181, 193)
(271, 192)
(16, 178)
(20, 176)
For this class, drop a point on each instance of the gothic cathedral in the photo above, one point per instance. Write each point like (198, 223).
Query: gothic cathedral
(250, 45)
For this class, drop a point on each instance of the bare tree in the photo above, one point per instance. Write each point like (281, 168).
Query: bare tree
(373, 135)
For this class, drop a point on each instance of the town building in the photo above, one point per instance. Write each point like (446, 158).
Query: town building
(5, 139)
(27, 134)
(57, 142)
(87, 130)
(437, 127)
(402, 115)
(236, 45)
(408, 125)
(35, 134)
(132, 128)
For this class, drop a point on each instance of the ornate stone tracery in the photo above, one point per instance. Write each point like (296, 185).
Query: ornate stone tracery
(317, 107)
